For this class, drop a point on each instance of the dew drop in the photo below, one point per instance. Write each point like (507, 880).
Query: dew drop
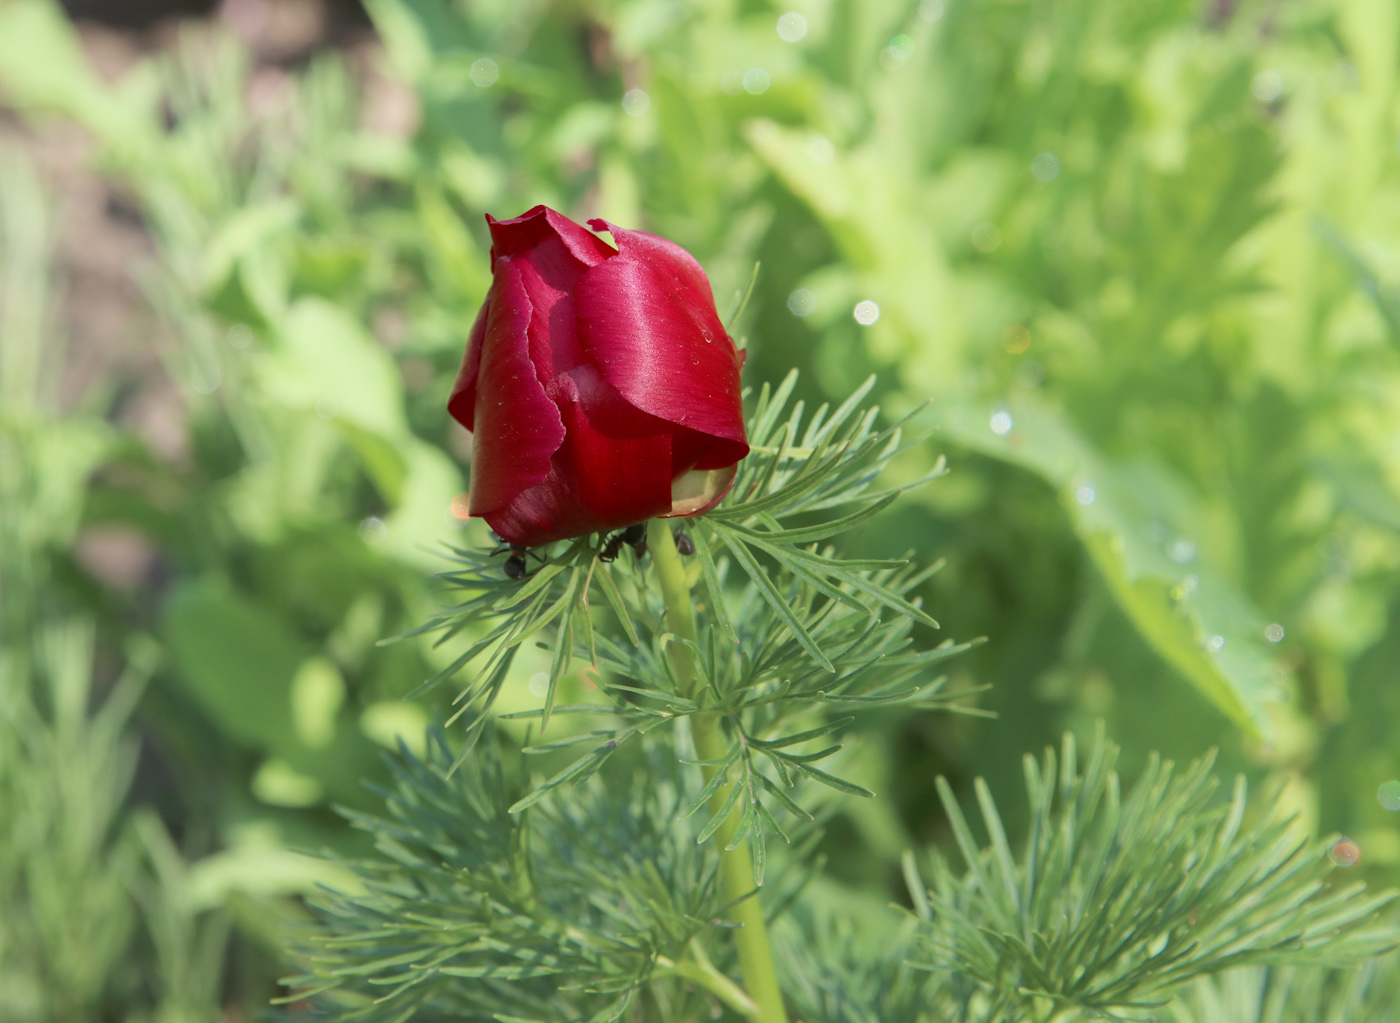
(866, 312)
(1016, 338)
(756, 81)
(1345, 853)
(1030, 374)
(1389, 795)
(802, 302)
(1267, 86)
(792, 27)
(1046, 167)
(1345, 79)
(1182, 551)
(207, 383)
(484, 72)
(985, 237)
(820, 150)
(931, 10)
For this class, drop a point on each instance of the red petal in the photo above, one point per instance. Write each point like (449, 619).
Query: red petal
(462, 401)
(540, 226)
(647, 320)
(552, 254)
(687, 448)
(612, 470)
(558, 251)
(517, 428)
(722, 454)
(692, 450)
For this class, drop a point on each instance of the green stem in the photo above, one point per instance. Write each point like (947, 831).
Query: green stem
(735, 866)
(698, 969)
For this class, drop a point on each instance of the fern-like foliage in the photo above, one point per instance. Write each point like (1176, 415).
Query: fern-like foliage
(837, 974)
(472, 914)
(1117, 900)
(1366, 993)
(600, 905)
(835, 464)
(791, 639)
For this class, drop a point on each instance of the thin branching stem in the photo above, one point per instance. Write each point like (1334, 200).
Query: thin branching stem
(736, 865)
(697, 968)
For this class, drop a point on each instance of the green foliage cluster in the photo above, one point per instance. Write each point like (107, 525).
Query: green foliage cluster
(481, 914)
(481, 907)
(571, 912)
(1142, 259)
(805, 637)
(1119, 899)
(98, 919)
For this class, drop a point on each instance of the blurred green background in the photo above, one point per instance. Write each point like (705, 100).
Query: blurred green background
(1143, 257)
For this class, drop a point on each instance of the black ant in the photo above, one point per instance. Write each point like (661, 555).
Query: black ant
(636, 538)
(633, 536)
(515, 565)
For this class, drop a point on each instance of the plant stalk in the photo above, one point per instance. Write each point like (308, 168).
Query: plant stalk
(736, 865)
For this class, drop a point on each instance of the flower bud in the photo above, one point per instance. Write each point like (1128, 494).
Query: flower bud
(600, 387)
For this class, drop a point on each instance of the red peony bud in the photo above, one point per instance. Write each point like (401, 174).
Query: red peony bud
(599, 385)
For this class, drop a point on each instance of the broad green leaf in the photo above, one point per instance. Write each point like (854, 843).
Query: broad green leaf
(317, 694)
(42, 66)
(864, 198)
(422, 522)
(238, 661)
(240, 664)
(1193, 618)
(328, 364)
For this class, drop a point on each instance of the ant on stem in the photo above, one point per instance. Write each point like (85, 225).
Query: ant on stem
(515, 565)
(633, 536)
(636, 538)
